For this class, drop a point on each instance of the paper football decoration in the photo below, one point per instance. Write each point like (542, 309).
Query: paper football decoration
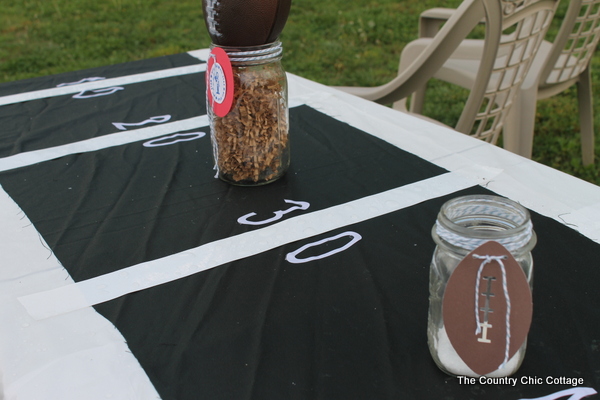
(504, 296)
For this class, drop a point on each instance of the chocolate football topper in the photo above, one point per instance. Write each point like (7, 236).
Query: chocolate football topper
(245, 22)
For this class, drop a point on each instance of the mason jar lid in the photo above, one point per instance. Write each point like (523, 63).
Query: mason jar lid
(467, 222)
(253, 54)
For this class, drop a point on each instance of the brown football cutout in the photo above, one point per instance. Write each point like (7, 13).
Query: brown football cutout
(245, 22)
(485, 352)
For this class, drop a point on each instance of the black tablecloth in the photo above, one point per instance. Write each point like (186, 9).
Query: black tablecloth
(349, 326)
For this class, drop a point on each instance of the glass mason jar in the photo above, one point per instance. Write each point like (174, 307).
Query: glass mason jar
(250, 143)
(463, 224)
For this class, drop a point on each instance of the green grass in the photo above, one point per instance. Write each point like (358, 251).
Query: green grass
(335, 42)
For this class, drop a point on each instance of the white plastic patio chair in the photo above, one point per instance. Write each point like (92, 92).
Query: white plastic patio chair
(557, 66)
(514, 30)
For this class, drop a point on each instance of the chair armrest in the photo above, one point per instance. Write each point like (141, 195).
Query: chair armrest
(431, 20)
(422, 67)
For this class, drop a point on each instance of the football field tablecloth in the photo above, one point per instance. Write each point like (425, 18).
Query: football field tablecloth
(115, 180)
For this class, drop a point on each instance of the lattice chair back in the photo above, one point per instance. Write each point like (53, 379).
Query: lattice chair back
(574, 44)
(492, 69)
(509, 50)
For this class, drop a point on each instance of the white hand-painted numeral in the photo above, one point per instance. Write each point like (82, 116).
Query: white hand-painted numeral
(178, 137)
(293, 256)
(84, 80)
(576, 394)
(156, 120)
(97, 92)
(300, 205)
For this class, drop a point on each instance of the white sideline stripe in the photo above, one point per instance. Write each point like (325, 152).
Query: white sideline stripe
(100, 142)
(101, 84)
(106, 287)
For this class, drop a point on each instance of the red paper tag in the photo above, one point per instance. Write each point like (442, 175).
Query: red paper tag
(500, 294)
(219, 82)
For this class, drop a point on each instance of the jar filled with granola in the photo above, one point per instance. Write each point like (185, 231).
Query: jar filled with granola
(248, 112)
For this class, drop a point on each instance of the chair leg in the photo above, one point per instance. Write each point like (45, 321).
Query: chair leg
(408, 55)
(519, 124)
(417, 100)
(400, 105)
(586, 116)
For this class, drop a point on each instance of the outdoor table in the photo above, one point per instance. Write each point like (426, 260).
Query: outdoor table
(128, 271)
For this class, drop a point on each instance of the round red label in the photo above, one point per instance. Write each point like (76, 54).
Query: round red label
(219, 82)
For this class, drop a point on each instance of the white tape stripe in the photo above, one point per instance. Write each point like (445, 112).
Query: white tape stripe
(101, 84)
(101, 142)
(153, 273)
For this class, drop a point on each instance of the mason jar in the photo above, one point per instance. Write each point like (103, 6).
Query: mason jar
(462, 226)
(251, 142)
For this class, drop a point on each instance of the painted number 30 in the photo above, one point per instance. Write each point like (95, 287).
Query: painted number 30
(293, 256)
